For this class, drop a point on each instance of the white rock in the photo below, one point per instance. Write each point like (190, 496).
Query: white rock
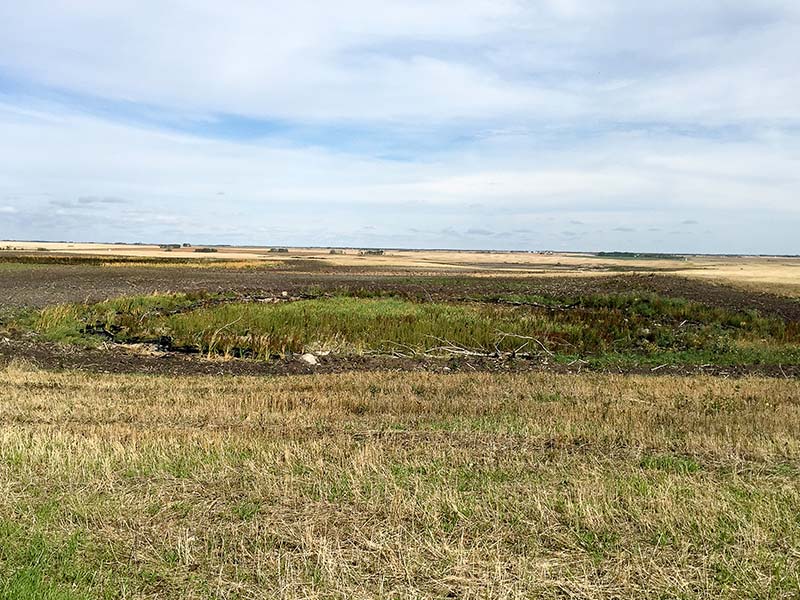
(309, 358)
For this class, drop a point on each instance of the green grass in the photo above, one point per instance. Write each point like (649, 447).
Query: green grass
(78, 323)
(41, 566)
(670, 463)
(11, 267)
(604, 330)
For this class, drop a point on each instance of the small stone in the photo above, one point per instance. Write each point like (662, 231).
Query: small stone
(309, 358)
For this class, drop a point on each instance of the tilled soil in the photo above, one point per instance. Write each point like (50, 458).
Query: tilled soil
(43, 285)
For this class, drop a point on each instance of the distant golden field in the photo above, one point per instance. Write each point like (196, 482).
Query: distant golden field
(774, 274)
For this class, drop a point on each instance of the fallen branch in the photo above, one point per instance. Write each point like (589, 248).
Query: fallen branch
(525, 337)
(519, 303)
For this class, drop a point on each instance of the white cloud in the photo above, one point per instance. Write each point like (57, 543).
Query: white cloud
(432, 59)
(505, 115)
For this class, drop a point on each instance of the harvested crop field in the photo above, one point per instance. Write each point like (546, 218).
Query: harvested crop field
(398, 485)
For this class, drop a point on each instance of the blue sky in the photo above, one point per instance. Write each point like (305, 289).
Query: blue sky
(561, 124)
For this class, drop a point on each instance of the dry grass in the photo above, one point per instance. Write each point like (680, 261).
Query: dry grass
(398, 485)
(775, 275)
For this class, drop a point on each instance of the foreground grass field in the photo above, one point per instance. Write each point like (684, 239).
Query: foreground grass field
(398, 485)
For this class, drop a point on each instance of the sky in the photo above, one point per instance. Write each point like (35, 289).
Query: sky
(499, 124)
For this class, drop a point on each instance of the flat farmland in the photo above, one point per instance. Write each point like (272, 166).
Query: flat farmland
(252, 425)
(777, 274)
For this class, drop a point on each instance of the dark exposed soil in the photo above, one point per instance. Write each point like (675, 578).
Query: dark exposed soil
(115, 359)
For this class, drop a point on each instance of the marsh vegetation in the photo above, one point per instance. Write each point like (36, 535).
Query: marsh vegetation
(598, 329)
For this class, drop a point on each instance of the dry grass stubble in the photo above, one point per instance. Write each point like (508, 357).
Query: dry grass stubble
(400, 485)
